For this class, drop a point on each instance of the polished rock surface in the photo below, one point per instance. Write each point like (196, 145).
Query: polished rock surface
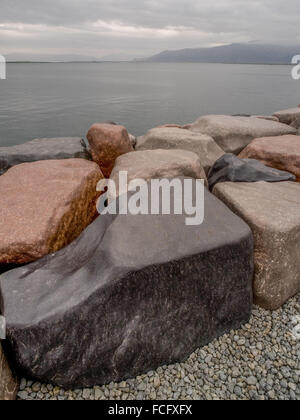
(272, 212)
(130, 294)
(230, 168)
(43, 149)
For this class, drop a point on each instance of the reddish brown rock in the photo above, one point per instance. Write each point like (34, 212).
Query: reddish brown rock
(281, 152)
(8, 382)
(44, 206)
(108, 142)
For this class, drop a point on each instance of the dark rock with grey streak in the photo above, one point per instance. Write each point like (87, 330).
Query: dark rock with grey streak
(132, 293)
(43, 149)
(231, 168)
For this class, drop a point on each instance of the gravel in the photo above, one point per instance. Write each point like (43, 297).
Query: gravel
(261, 361)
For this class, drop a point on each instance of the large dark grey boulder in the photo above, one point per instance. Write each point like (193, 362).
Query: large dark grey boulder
(130, 294)
(231, 168)
(43, 149)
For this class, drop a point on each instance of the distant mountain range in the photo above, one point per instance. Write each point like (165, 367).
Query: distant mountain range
(46, 58)
(230, 54)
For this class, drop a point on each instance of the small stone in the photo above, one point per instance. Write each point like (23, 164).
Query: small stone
(141, 387)
(271, 395)
(36, 387)
(156, 382)
(23, 395)
(98, 394)
(251, 380)
(23, 384)
(292, 386)
(56, 391)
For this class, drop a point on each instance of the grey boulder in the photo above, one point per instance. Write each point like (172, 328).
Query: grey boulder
(272, 212)
(156, 164)
(233, 134)
(296, 123)
(43, 149)
(8, 382)
(262, 117)
(176, 138)
(130, 294)
(287, 116)
(230, 168)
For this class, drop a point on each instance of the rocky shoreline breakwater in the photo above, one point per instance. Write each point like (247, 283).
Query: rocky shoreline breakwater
(89, 300)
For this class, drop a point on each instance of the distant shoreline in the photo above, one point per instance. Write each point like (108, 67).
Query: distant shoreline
(147, 62)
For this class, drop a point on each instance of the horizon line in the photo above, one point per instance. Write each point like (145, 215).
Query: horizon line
(142, 61)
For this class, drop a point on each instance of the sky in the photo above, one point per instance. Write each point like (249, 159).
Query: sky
(140, 28)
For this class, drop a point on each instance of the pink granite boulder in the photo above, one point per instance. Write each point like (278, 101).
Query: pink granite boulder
(108, 142)
(44, 206)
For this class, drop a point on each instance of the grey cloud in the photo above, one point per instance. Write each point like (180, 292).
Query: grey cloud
(142, 26)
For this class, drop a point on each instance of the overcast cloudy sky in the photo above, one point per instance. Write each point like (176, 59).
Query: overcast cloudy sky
(97, 28)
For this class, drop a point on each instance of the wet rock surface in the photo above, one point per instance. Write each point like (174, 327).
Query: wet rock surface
(130, 294)
(233, 134)
(277, 152)
(272, 212)
(43, 149)
(231, 168)
(44, 206)
(176, 138)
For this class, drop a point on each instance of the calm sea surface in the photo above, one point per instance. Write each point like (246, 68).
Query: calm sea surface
(53, 100)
